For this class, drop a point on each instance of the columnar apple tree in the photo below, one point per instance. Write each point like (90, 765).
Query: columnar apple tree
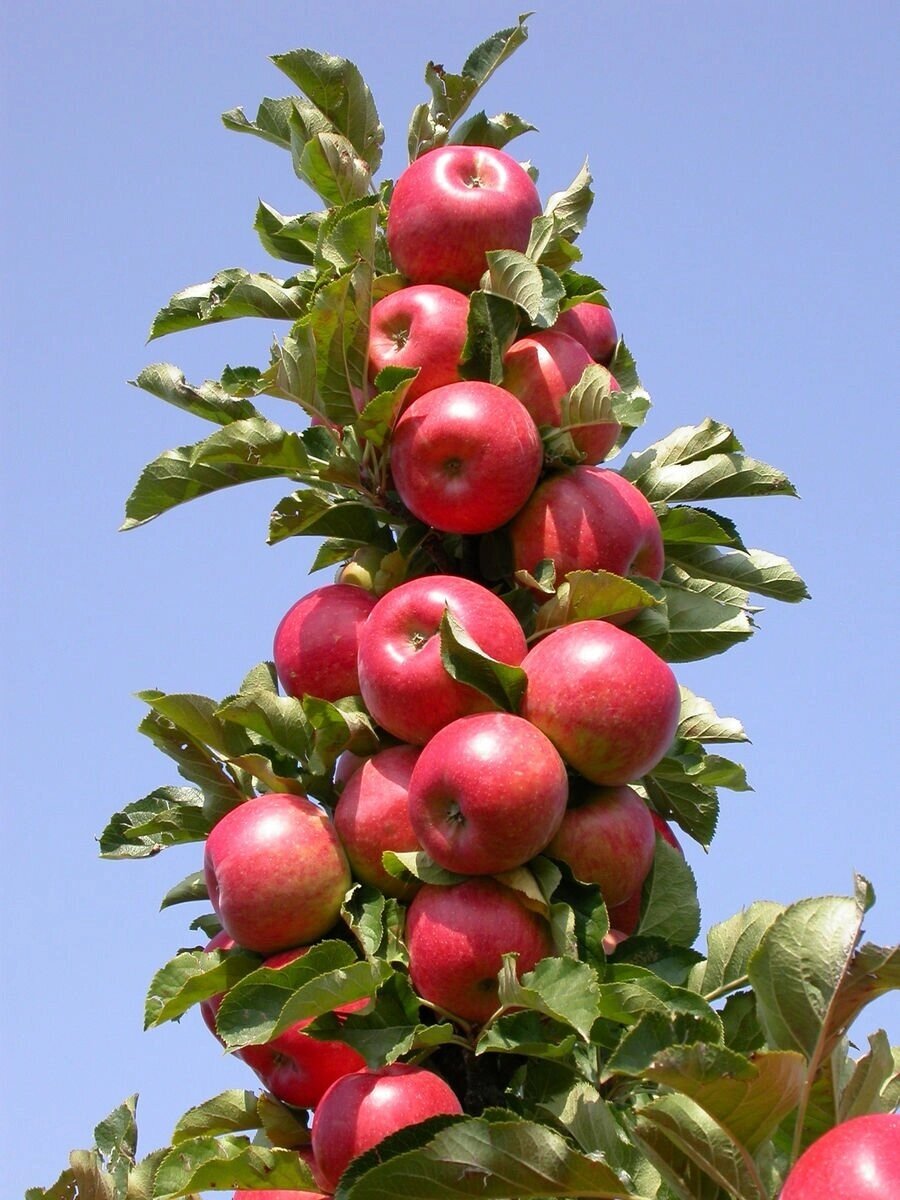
(445, 917)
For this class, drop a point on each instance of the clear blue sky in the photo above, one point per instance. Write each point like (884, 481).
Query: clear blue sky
(745, 226)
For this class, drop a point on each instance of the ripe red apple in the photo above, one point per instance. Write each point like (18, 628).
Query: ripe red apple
(423, 326)
(605, 700)
(540, 369)
(454, 204)
(296, 1068)
(402, 679)
(316, 642)
(279, 1194)
(372, 815)
(856, 1160)
(593, 326)
(665, 831)
(361, 1110)
(457, 936)
(465, 457)
(607, 837)
(487, 794)
(588, 519)
(276, 872)
(210, 1007)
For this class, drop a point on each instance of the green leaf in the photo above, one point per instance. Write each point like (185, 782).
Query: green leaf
(701, 526)
(316, 513)
(699, 722)
(730, 946)
(263, 1005)
(741, 1024)
(348, 235)
(390, 1029)
(212, 1163)
(670, 908)
(452, 94)
(591, 595)
(693, 1153)
(686, 444)
(498, 131)
(255, 442)
(708, 478)
(197, 717)
(703, 620)
(417, 865)
(538, 291)
(585, 289)
(808, 974)
(754, 570)
(465, 662)
(272, 122)
(174, 478)
(689, 761)
(229, 1112)
(493, 322)
(570, 207)
(196, 763)
(192, 976)
(328, 163)
(187, 890)
(749, 1097)
(529, 1033)
(115, 1137)
(169, 816)
(209, 401)
(337, 89)
(339, 322)
(339, 726)
(865, 1090)
(660, 1012)
(292, 239)
(561, 988)
(279, 719)
(694, 806)
(490, 1157)
(376, 420)
(230, 294)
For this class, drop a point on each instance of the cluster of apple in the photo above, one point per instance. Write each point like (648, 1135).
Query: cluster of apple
(480, 790)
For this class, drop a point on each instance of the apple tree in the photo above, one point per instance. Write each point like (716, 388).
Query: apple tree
(445, 917)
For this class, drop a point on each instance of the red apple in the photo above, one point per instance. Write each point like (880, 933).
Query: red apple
(593, 326)
(665, 831)
(348, 763)
(401, 676)
(424, 326)
(856, 1160)
(487, 794)
(624, 918)
(588, 519)
(372, 815)
(457, 936)
(276, 872)
(605, 700)
(540, 369)
(361, 1110)
(279, 1194)
(465, 457)
(454, 204)
(316, 642)
(210, 1007)
(607, 838)
(296, 1068)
